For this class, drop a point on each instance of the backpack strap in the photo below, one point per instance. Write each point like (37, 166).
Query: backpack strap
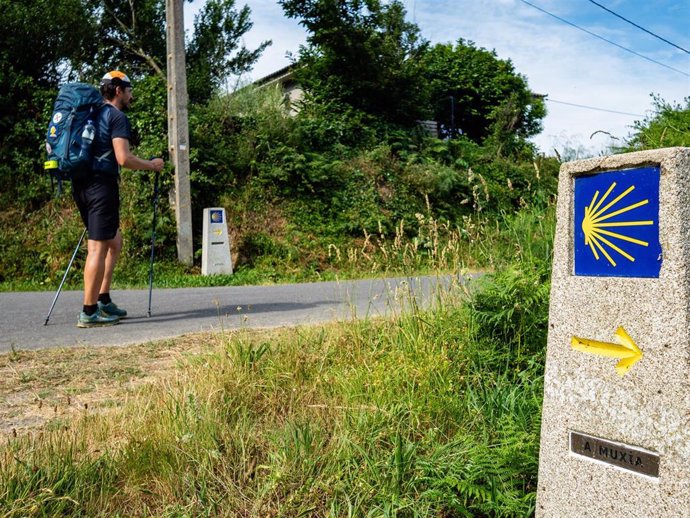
(102, 113)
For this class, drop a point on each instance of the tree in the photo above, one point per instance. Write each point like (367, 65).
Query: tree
(362, 53)
(478, 95)
(131, 36)
(668, 126)
(41, 42)
(135, 37)
(214, 52)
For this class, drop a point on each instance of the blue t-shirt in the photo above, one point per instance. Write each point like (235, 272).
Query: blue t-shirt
(111, 123)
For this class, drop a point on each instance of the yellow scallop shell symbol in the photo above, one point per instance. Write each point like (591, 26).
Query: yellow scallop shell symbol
(596, 219)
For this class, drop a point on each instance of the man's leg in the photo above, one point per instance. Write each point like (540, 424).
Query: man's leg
(105, 303)
(94, 270)
(114, 248)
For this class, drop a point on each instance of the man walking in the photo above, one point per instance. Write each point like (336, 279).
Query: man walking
(98, 200)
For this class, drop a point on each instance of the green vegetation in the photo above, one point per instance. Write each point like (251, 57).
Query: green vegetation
(297, 197)
(347, 187)
(668, 126)
(433, 412)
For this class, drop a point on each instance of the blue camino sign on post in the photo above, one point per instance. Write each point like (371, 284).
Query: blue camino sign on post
(216, 216)
(617, 224)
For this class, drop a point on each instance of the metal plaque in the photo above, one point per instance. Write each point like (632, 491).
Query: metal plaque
(631, 458)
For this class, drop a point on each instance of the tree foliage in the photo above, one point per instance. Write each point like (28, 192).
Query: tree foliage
(131, 36)
(475, 93)
(668, 126)
(365, 55)
(215, 52)
(135, 33)
(41, 38)
(362, 53)
(36, 50)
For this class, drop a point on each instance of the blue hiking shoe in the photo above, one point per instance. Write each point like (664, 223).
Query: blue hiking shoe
(111, 309)
(98, 319)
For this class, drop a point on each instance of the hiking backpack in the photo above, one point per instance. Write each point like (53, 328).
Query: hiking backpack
(71, 131)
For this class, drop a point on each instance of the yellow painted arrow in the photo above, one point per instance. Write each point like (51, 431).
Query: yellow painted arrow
(218, 231)
(627, 350)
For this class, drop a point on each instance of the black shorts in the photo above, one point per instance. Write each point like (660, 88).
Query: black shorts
(98, 200)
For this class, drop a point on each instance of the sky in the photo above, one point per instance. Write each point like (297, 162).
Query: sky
(558, 60)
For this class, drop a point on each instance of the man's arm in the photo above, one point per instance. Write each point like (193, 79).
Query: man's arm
(125, 158)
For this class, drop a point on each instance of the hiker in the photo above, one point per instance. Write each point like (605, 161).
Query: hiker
(98, 199)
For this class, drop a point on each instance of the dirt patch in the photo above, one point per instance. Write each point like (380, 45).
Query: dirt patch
(44, 389)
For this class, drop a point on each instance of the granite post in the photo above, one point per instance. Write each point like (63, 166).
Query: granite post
(215, 250)
(615, 438)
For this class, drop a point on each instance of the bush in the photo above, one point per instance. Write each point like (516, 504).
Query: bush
(510, 308)
(668, 126)
(325, 175)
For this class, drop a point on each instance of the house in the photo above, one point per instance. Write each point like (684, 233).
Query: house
(294, 93)
(284, 78)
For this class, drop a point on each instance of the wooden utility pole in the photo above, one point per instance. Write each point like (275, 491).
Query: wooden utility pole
(178, 130)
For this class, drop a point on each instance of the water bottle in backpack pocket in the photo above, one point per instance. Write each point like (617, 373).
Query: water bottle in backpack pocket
(71, 131)
(87, 137)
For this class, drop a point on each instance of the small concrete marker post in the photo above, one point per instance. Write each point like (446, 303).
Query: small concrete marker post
(215, 252)
(615, 437)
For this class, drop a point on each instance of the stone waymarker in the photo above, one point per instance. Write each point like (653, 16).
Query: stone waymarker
(215, 252)
(615, 439)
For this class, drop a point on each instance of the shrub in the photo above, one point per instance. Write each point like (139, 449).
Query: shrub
(510, 313)
(668, 126)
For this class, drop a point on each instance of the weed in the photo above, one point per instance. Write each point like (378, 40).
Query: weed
(420, 414)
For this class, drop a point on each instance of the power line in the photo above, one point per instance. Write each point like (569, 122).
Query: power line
(604, 39)
(639, 27)
(593, 108)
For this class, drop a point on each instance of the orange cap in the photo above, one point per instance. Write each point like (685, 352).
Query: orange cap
(116, 77)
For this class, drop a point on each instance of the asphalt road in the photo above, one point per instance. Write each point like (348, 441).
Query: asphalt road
(186, 310)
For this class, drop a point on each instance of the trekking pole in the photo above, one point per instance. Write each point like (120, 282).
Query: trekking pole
(64, 277)
(153, 238)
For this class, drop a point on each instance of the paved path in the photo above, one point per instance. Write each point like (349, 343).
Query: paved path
(185, 310)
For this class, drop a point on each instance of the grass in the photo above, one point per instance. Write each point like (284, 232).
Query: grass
(433, 412)
(421, 414)
(477, 244)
